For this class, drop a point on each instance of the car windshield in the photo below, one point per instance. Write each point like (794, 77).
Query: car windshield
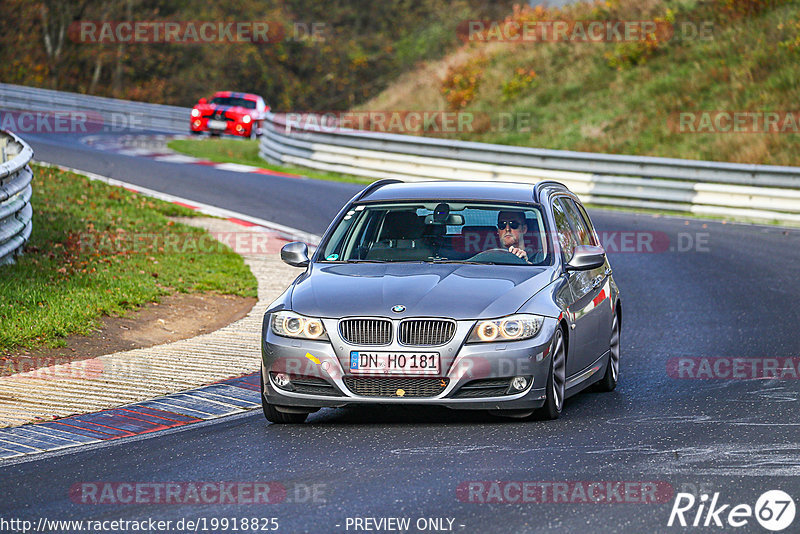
(233, 101)
(439, 232)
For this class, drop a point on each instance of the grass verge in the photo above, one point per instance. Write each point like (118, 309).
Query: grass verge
(245, 151)
(100, 250)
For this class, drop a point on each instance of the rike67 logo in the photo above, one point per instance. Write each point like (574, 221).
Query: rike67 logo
(774, 510)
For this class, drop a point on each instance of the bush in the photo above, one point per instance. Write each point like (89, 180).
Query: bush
(461, 82)
(521, 80)
(746, 8)
(628, 54)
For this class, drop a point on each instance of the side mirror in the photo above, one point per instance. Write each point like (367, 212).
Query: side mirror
(202, 101)
(295, 254)
(586, 257)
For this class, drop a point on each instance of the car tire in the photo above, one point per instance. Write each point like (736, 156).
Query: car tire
(556, 379)
(273, 415)
(195, 132)
(609, 380)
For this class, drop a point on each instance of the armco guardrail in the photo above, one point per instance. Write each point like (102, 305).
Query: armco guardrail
(16, 213)
(759, 192)
(103, 114)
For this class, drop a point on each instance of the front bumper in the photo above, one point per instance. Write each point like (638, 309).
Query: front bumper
(233, 127)
(461, 364)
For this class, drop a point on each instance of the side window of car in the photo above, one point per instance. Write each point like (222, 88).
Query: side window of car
(583, 232)
(566, 237)
(589, 225)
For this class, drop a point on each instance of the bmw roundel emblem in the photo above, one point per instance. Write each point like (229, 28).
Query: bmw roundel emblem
(398, 308)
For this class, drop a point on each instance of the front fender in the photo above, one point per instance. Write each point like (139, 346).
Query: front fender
(550, 301)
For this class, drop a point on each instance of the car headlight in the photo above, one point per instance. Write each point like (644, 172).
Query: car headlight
(195, 112)
(246, 119)
(511, 328)
(290, 324)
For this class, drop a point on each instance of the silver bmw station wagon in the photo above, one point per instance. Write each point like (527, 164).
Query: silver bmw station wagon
(468, 295)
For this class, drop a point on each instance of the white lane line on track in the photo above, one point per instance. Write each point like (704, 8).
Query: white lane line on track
(176, 158)
(236, 167)
(159, 151)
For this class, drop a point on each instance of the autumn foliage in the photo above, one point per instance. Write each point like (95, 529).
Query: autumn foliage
(333, 55)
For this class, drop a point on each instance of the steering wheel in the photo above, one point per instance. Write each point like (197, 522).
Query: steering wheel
(497, 255)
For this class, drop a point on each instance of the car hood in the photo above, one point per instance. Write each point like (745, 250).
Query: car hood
(436, 290)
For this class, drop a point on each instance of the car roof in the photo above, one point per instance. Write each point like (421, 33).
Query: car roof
(452, 190)
(246, 96)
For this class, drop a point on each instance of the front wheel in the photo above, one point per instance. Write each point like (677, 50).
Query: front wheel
(556, 378)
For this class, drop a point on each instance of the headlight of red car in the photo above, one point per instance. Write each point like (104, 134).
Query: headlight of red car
(195, 112)
(246, 119)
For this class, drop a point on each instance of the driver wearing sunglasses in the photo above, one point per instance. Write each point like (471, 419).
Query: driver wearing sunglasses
(511, 229)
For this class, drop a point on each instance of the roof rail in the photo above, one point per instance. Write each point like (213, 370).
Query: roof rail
(376, 185)
(537, 189)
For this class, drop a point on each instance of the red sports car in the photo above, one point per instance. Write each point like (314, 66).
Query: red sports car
(229, 113)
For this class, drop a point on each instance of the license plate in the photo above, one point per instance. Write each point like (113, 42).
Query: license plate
(217, 125)
(423, 363)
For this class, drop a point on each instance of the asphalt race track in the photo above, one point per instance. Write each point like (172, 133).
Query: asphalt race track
(732, 293)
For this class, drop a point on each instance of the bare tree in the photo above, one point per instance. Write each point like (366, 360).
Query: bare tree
(116, 79)
(57, 15)
(100, 55)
